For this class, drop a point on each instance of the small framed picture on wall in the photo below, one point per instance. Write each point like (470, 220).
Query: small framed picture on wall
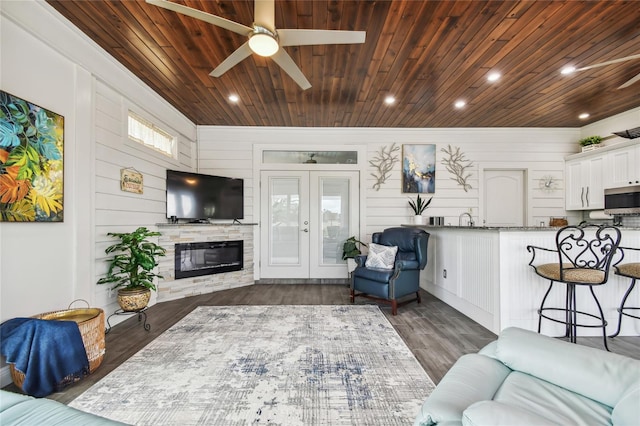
(419, 168)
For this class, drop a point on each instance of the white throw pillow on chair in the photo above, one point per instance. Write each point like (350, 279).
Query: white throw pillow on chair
(379, 256)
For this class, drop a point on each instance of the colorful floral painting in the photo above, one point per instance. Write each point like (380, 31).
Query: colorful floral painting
(419, 169)
(31, 162)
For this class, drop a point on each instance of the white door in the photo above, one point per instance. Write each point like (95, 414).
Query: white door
(306, 217)
(504, 199)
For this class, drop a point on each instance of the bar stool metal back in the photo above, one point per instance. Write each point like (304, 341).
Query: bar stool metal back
(584, 255)
(629, 270)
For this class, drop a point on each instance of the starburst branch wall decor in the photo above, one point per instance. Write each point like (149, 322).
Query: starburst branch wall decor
(383, 163)
(457, 165)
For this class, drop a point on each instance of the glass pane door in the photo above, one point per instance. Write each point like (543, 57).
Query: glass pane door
(334, 205)
(306, 217)
(285, 219)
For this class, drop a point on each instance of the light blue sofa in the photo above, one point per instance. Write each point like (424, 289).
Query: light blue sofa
(17, 409)
(525, 378)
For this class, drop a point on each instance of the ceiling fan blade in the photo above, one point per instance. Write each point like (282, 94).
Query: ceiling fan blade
(235, 58)
(283, 59)
(614, 61)
(264, 14)
(203, 16)
(630, 82)
(293, 37)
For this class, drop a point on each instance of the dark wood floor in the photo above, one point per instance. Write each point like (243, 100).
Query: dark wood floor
(436, 333)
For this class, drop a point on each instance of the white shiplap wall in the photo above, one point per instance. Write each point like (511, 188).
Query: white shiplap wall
(233, 159)
(623, 121)
(68, 73)
(116, 210)
(228, 151)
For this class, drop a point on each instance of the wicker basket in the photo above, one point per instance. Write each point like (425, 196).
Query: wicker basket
(558, 221)
(91, 324)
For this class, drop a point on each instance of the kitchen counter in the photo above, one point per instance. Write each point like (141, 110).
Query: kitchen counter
(487, 228)
(503, 228)
(484, 273)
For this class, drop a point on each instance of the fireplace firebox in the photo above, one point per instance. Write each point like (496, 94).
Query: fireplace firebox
(206, 258)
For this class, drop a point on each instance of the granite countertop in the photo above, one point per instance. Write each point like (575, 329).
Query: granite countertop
(487, 228)
(503, 228)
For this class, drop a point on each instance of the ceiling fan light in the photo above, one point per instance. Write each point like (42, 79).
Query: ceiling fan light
(263, 44)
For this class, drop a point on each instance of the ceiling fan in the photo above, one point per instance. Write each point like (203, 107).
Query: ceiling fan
(264, 39)
(570, 70)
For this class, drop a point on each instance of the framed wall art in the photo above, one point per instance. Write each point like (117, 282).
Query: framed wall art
(419, 168)
(31, 162)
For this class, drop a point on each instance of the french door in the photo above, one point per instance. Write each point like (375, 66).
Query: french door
(305, 218)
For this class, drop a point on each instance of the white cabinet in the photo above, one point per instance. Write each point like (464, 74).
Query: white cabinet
(624, 167)
(574, 196)
(585, 183)
(587, 174)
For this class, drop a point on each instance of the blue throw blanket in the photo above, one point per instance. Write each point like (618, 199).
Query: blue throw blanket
(51, 354)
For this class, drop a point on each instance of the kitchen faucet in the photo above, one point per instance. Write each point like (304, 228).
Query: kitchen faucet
(471, 223)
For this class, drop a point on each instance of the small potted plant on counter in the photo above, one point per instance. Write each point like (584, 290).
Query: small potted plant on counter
(131, 267)
(419, 206)
(350, 250)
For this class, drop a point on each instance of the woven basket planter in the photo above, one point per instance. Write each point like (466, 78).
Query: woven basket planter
(91, 324)
(131, 300)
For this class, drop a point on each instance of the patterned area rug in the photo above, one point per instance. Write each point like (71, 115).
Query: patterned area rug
(282, 365)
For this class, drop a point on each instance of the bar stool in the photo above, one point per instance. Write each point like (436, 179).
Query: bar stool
(629, 270)
(584, 255)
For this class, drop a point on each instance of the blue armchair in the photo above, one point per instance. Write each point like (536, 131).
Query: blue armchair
(389, 285)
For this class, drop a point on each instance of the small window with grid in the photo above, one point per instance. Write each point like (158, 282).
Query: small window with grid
(148, 134)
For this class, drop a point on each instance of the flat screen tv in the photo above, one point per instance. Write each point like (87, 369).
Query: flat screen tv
(196, 196)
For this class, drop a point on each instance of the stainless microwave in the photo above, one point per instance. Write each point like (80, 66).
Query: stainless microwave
(622, 201)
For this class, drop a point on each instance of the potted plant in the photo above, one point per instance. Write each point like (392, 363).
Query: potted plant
(131, 267)
(419, 206)
(350, 250)
(590, 143)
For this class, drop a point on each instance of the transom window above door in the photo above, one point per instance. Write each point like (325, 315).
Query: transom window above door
(309, 157)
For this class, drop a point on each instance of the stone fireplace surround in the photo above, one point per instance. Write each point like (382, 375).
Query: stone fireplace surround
(170, 288)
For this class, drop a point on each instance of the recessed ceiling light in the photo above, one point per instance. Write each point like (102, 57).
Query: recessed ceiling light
(583, 116)
(567, 70)
(234, 98)
(460, 104)
(389, 100)
(494, 76)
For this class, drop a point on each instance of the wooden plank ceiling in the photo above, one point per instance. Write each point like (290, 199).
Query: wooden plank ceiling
(427, 54)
